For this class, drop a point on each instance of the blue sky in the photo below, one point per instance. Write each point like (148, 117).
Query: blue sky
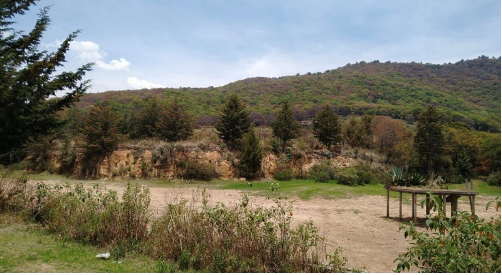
(166, 43)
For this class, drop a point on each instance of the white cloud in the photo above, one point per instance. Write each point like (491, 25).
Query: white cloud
(88, 51)
(114, 65)
(136, 83)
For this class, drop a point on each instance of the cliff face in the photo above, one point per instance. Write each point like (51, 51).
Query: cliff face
(168, 163)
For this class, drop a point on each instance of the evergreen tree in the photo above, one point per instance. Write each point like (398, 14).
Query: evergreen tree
(234, 121)
(100, 131)
(28, 78)
(147, 119)
(250, 155)
(174, 123)
(326, 127)
(463, 164)
(429, 142)
(285, 127)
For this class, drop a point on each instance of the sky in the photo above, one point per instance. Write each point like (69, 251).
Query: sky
(139, 44)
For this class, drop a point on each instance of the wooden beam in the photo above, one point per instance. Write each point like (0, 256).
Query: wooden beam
(414, 207)
(427, 204)
(400, 205)
(388, 203)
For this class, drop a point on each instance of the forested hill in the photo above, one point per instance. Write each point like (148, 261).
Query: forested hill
(467, 91)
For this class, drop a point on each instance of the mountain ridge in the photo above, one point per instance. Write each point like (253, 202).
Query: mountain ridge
(467, 91)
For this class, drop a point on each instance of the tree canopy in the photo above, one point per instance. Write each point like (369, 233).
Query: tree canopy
(234, 121)
(285, 126)
(28, 79)
(326, 127)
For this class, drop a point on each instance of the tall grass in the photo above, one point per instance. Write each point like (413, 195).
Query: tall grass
(190, 233)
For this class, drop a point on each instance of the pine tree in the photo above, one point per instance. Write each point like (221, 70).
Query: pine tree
(250, 155)
(463, 164)
(174, 123)
(429, 142)
(234, 121)
(326, 127)
(285, 127)
(100, 131)
(147, 119)
(28, 78)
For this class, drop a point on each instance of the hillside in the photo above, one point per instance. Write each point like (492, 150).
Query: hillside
(468, 91)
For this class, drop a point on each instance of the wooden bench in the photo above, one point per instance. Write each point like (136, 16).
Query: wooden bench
(446, 196)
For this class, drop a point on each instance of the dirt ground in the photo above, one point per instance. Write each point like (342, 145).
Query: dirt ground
(369, 239)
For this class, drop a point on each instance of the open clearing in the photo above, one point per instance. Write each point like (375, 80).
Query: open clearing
(358, 224)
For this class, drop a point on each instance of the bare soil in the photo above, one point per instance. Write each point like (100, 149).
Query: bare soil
(369, 239)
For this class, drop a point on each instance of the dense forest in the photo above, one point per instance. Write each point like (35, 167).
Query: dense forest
(467, 91)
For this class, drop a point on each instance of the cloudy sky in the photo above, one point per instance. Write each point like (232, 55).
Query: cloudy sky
(173, 43)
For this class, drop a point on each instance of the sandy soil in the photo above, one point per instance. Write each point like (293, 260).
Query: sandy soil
(369, 239)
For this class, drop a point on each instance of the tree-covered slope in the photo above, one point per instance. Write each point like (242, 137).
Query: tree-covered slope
(467, 91)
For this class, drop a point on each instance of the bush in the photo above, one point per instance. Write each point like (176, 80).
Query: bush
(284, 175)
(93, 216)
(494, 179)
(199, 171)
(322, 172)
(465, 244)
(239, 239)
(359, 175)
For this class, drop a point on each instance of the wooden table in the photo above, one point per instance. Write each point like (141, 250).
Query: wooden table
(446, 196)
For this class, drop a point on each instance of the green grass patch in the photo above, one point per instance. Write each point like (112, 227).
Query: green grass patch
(305, 189)
(481, 187)
(23, 248)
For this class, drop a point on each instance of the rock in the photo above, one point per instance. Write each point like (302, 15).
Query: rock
(104, 256)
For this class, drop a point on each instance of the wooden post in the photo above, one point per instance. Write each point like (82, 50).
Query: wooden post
(473, 206)
(472, 185)
(414, 207)
(400, 205)
(454, 201)
(388, 203)
(427, 204)
(444, 205)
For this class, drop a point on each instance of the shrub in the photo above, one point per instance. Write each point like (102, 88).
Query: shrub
(239, 239)
(347, 176)
(358, 175)
(465, 244)
(322, 172)
(93, 216)
(14, 191)
(494, 179)
(284, 175)
(199, 171)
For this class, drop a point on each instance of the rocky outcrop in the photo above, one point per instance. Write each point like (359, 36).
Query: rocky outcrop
(168, 162)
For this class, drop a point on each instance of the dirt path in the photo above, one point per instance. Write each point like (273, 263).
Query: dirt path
(370, 241)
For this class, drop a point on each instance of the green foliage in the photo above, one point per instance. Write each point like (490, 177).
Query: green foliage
(28, 78)
(93, 216)
(250, 155)
(357, 133)
(199, 171)
(464, 244)
(240, 239)
(100, 131)
(356, 175)
(148, 118)
(322, 172)
(174, 123)
(326, 127)
(233, 122)
(494, 179)
(283, 175)
(429, 142)
(285, 127)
